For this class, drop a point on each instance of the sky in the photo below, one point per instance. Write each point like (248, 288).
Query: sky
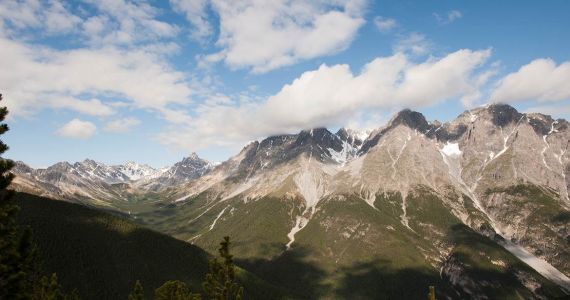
(153, 81)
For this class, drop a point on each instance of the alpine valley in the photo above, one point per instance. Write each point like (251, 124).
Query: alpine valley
(478, 207)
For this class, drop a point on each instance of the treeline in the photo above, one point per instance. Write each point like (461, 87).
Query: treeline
(21, 275)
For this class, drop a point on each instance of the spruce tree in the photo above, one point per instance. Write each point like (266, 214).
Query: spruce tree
(138, 292)
(175, 290)
(16, 249)
(48, 288)
(220, 283)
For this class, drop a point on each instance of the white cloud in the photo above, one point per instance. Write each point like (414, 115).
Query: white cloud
(541, 80)
(309, 101)
(43, 77)
(413, 43)
(122, 125)
(77, 129)
(51, 16)
(125, 23)
(385, 24)
(266, 35)
(92, 107)
(562, 110)
(450, 17)
(58, 19)
(195, 12)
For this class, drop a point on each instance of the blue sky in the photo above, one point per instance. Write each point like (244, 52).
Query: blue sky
(152, 81)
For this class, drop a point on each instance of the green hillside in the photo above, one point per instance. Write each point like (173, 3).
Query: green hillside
(350, 251)
(102, 255)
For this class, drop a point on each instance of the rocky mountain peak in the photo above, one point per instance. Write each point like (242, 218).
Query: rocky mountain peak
(135, 171)
(131, 164)
(188, 168)
(194, 159)
(193, 156)
(319, 136)
(410, 118)
(86, 162)
(63, 166)
(21, 167)
(352, 137)
(542, 124)
(503, 114)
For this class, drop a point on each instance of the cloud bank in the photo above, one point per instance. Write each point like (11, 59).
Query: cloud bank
(266, 35)
(541, 80)
(79, 80)
(310, 101)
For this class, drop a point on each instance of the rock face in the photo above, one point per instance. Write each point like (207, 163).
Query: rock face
(462, 204)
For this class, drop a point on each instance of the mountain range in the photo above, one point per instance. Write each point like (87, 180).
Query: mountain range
(478, 206)
(97, 182)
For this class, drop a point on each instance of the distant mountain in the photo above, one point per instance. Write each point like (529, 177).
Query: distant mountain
(478, 206)
(99, 184)
(188, 169)
(134, 171)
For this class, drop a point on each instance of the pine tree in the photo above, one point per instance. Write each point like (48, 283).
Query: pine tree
(175, 290)
(220, 283)
(138, 292)
(16, 249)
(48, 289)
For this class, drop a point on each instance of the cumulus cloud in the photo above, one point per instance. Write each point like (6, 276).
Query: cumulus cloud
(121, 125)
(77, 129)
(92, 107)
(309, 101)
(266, 35)
(562, 110)
(125, 23)
(413, 43)
(450, 17)
(51, 16)
(195, 13)
(385, 25)
(98, 22)
(540, 80)
(39, 77)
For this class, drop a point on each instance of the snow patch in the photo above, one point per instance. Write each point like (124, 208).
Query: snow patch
(451, 149)
(135, 171)
(348, 151)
